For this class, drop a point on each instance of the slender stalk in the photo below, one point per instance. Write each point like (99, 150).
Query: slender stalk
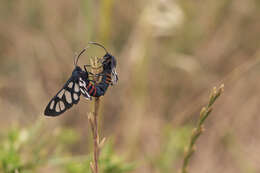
(95, 134)
(92, 117)
(205, 112)
(93, 120)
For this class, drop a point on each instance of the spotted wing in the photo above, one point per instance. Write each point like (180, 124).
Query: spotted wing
(114, 76)
(64, 99)
(84, 89)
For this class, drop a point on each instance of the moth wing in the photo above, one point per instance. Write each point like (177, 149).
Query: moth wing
(83, 89)
(114, 76)
(64, 99)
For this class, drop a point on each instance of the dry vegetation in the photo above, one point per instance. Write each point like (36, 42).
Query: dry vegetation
(170, 54)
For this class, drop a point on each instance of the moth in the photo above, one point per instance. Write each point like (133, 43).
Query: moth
(110, 61)
(79, 83)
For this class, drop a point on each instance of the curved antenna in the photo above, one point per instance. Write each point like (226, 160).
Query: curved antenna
(98, 45)
(76, 59)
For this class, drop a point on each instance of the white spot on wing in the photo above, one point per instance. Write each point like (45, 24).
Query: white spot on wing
(68, 97)
(57, 109)
(82, 83)
(114, 76)
(76, 87)
(70, 85)
(62, 105)
(75, 96)
(52, 105)
(82, 91)
(85, 94)
(61, 93)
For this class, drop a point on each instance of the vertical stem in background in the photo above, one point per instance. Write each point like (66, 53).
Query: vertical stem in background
(89, 15)
(205, 112)
(93, 119)
(106, 10)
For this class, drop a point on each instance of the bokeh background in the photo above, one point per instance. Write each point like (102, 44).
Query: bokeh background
(170, 54)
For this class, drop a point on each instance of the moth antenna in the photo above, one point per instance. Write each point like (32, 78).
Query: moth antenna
(100, 45)
(76, 59)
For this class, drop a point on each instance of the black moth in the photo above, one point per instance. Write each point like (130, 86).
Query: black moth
(110, 61)
(70, 92)
(79, 83)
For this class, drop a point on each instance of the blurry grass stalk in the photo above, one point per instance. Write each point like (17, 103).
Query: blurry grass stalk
(204, 113)
(105, 19)
(93, 119)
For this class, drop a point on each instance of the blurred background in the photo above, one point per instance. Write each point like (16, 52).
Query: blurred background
(170, 54)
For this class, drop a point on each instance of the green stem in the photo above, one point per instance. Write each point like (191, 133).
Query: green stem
(205, 112)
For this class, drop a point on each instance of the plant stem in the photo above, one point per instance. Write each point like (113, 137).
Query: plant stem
(95, 134)
(93, 120)
(204, 113)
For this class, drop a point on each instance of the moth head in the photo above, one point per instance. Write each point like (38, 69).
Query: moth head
(108, 58)
(77, 71)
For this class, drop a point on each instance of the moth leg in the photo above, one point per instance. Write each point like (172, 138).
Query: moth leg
(85, 67)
